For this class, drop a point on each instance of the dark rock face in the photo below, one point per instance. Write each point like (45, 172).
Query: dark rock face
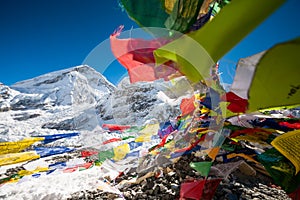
(5, 95)
(4, 91)
(25, 102)
(3, 131)
(131, 103)
(101, 108)
(52, 80)
(25, 116)
(67, 124)
(140, 102)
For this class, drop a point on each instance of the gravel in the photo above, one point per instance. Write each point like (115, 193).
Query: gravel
(164, 184)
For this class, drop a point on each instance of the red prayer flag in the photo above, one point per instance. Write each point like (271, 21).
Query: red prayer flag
(237, 104)
(249, 131)
(112, 140)
(295, 195)
(210, 188)
(136, 55)
(88, 153)
(199, 189)
(290, 125)
(187, 105)
(192, 190)
(115, 127)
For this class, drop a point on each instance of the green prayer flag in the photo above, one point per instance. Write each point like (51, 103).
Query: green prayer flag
(153, 13)
(103, 155)
(148, 13)
(202, 167)
(281, 169)
(183, 15)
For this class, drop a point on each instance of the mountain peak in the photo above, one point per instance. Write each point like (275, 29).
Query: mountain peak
(66, 75)
(80, 98)
(76, 85)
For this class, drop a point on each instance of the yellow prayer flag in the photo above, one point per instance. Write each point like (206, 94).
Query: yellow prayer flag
(144, 138)
(288, 145)
(197, 51)
(121, 151)
(213, 152)
(15, 147)
(150, 129)
(12, 158)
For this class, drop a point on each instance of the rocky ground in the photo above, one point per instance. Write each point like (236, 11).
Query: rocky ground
(165, 185)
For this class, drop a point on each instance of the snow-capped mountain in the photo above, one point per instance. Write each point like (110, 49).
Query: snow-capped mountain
(6, 95)
(81, 99)
(53, 102)
(78, 85)
(142, 101)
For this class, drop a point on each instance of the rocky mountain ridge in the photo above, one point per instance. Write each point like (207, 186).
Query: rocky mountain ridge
(81, 99)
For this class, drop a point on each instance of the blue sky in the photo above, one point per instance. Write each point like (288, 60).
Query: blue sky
(38, 37)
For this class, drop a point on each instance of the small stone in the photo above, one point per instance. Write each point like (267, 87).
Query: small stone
(144, 183)
(226, 181)
(249, 191)
(156, 190)
(256, 194)
(150, 192)
(172, 192)
(245, 196)
(133, 193)
(174, 186)
(172, 173)
(127, 194)
(237, 184)
(162, 188)
(150, 185)
(166, 197)
(227, 190)
(261, 185)
(144, 196)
